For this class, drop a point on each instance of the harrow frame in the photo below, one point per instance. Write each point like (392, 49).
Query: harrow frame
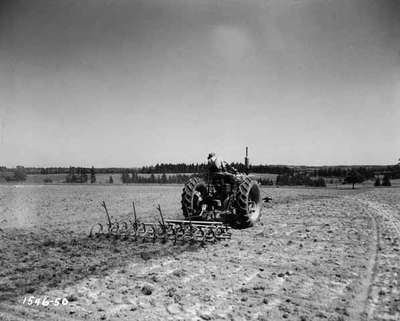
(163, 230)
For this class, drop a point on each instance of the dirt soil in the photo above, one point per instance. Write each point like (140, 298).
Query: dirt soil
(317, 254)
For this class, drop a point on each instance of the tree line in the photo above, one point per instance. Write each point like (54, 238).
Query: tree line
(299, 179)
(134, 177)
(169, 168)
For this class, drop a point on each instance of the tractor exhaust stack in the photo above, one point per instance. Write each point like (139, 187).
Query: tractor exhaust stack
(246, 161)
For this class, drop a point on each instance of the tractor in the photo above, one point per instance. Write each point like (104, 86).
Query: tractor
(227, 196)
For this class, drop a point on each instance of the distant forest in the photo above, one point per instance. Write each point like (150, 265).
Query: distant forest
(181, 168)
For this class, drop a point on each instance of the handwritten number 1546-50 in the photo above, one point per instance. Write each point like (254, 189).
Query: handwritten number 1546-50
(44, 301)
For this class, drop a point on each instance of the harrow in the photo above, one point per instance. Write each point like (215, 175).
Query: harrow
(163, 230)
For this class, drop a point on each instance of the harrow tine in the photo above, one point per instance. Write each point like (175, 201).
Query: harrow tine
(134, 229)
(124, 230)
(172, 233)
(210, 235)
(187, 235)
(163, 232)
(180, 233)
(141, 230)
(149, 232)
(113, 229)
(198, 234)
(97, 234)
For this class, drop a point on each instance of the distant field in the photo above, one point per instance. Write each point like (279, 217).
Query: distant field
(60, 178)
(264, 176)
(77, 207)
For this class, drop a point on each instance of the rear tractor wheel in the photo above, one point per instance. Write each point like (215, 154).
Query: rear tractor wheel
(248, 203)
(193, 194)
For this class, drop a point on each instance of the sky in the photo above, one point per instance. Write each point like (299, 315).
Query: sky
(138, 82)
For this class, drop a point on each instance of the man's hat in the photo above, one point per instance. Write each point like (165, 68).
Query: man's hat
(210, 155)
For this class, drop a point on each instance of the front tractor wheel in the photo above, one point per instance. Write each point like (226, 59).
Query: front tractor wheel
(193, 194)
(248, 203)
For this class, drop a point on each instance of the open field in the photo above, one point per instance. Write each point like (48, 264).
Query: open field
(316, 254)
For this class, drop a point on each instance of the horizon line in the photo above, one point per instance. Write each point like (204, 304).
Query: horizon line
(153, 165)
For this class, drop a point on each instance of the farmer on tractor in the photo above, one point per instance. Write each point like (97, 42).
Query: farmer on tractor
(221, 174)
(217, 164)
